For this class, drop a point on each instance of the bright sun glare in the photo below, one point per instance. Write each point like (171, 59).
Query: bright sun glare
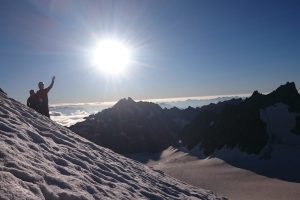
(111, 56)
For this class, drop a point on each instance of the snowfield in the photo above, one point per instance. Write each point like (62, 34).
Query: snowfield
(220, 176)
(40, 159)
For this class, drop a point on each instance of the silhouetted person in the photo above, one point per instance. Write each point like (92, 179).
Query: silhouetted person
(32, 101)
(42, 96)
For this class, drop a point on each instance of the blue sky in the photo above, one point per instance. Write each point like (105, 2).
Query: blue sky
(180, 48)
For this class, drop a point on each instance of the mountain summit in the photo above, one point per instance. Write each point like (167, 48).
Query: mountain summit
(40, 159)
(133, 127)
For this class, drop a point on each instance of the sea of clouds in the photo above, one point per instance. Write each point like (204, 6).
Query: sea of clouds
(68, 114)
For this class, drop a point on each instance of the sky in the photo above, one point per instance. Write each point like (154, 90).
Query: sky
(179, 48)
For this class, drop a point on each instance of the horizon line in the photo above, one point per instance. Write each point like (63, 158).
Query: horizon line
(155, 100)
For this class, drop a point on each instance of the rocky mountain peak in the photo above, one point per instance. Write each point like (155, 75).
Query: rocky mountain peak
(125, 102)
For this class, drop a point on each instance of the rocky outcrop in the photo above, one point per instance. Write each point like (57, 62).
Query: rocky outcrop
(239, 125)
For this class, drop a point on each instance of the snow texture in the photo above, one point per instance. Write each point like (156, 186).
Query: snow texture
(221, 177)
(40, 159)
(280, 122)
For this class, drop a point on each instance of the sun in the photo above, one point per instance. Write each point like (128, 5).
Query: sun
(111, 56)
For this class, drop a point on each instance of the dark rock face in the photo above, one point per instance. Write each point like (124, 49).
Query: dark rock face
(296, 130)
(181, 117)
(131, 127)
(238, 124)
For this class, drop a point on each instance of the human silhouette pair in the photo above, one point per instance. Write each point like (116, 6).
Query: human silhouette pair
(39, 100)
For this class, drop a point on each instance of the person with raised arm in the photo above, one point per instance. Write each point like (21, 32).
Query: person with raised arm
(42, 96)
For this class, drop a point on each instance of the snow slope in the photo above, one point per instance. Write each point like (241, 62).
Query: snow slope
(40, 159)
(220, 176)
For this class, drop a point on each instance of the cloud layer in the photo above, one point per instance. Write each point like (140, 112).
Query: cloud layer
(68, 120)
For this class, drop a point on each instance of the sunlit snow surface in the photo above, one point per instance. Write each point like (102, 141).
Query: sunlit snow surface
(40, 159)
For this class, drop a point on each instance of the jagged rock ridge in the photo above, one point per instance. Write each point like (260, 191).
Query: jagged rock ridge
(40, 159)
(131, 127)
(239, 125)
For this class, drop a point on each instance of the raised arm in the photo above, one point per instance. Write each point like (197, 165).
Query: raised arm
(51, 85)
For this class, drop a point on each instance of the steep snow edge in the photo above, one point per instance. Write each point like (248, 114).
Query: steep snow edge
(40, 159)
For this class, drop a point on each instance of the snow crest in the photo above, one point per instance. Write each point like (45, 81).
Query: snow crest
(40, 159)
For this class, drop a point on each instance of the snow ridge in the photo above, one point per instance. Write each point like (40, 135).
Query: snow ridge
(40, 159)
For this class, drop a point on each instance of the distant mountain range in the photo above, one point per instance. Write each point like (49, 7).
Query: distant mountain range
(132, 127)
(197, 102)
